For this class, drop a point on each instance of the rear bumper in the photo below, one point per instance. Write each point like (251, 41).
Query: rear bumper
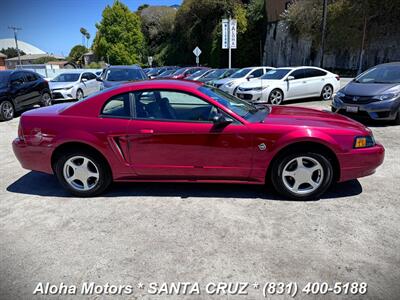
(379, 110)
(36, 158)
(360, 162)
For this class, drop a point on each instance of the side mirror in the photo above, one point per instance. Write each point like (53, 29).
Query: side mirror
(98, 78)
(220, 120)
(84, 80)
(250, 77)
(290, 78)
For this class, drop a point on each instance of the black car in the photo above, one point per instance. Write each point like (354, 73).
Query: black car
(374, 94)
(21, 89)
(115, 75)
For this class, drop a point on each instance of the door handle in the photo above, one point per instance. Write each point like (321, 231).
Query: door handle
(148, 131)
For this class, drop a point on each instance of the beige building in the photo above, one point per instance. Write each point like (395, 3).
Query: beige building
(2, 61)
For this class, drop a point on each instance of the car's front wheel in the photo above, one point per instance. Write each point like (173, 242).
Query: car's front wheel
(6, 110)
(84, 174)
(79, 94)
(302, 176)
(275, 97)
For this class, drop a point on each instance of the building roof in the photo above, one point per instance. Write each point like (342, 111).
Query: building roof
(27, 48)
(3, 55)
(34, 56)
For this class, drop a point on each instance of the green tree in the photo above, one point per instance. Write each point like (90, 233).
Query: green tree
(76, 53)
(11, 52)
(119, 38)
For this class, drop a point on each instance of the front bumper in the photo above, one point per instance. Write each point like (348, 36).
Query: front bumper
(360, 162)
(228, 89)
(252, 96)
(61, 94)
(378, 110)
(36, 158)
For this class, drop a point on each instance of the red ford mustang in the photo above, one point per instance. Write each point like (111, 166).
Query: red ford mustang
(182, 131)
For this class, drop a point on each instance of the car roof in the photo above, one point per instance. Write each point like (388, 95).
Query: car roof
(167, 83)
(124, 67)
(393, 63)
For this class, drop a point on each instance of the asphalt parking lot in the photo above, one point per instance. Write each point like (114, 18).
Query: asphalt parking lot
(200, 233)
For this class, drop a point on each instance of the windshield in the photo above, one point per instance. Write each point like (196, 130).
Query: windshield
(241, 73)
(66, 77)
(383, 74)
(4, 79)
(242, 108)
(168, 72)
(180, 71)
(197, 73)
(215, 74)
(123, 74)
(276, 74)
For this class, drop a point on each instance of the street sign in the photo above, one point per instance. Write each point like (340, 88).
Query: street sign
(225, 34)
(150, 60)
(197, 51)
(233, 33)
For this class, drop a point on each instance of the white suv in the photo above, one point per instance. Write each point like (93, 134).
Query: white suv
(290, 83)
(230, 83)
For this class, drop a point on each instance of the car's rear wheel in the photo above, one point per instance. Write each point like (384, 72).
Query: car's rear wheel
(327, 92)
(302, 176)
(46, 99)
(79, 94)
(84, 174)
(275, 97)
(6, 110)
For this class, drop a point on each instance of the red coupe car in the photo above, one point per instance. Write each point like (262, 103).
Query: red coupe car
(183, 131)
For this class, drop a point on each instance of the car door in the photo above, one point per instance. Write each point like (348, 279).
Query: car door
(19, 89)
(94, 84)
(295, 88)
(172, 137)
(85, 84)
(315, 80)
(33, 83)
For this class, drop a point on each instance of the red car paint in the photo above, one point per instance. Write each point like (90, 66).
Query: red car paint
(150, 150)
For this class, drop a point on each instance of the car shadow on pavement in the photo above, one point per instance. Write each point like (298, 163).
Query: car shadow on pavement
(39, 184)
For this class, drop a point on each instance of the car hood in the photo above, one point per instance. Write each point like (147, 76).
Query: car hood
(207, 79)
(60, 85)
(257, 82)
(369, 89)
(108, 84)
(293, 115)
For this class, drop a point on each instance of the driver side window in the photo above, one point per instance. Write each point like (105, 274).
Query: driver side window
(172, 105)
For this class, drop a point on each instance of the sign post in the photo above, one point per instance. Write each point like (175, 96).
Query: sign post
(229, 36)
(197, 52)
(150, 60)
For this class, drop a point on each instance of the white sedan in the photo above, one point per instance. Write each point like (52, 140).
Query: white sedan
(231, 83)
(74, 85)
(283, 84)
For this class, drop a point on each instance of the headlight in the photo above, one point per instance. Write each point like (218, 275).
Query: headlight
(340, 94)
(387, 96)
(364, 141)
(68, 87)
(257, 89)
(230, 83)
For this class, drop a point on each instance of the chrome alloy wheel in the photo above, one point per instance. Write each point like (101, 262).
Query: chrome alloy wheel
(46, 99)
(302, 175)
(81, 173)
(275, 97)
(327, 92)
(79, 95)
(8, 110)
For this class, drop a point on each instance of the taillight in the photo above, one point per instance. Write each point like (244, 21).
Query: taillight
(20, 132)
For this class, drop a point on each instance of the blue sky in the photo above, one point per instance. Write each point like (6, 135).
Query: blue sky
(53, 25)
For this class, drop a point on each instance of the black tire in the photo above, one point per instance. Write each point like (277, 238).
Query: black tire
(7, 110)
(277, 177)
(275, 97)
(104, 179)
(79, 94)
(46, 99)
(397, 120)
(327, 92)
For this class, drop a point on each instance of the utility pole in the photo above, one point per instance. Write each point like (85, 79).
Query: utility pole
(15, 29)
(324, 13)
